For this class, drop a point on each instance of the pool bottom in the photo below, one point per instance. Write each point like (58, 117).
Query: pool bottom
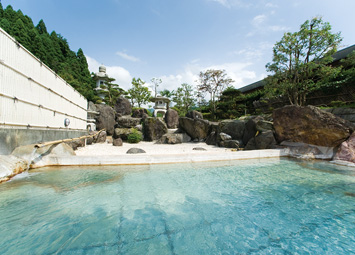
(269, 206)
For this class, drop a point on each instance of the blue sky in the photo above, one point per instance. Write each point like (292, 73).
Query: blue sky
(176, 39)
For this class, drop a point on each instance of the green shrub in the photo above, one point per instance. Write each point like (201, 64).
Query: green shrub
(135, 136)
(337, 103)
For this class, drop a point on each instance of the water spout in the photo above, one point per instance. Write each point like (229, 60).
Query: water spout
(31, 158)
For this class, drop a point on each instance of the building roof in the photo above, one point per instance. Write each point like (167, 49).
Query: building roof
(340, 54)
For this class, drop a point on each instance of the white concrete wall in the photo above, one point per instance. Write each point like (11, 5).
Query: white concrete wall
(32, 95)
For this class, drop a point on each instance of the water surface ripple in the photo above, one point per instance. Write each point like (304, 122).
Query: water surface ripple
(269, 206)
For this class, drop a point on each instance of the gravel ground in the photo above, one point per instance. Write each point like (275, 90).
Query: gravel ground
(100, 149)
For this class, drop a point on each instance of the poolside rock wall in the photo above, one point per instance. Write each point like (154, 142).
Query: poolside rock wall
(10, 166)
(311, 125)
(346, 151)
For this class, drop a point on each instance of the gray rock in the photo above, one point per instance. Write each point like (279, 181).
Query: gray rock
(195, 128)
(212, 138)
(199, 149)
(174, 138)
(76, 144)
(154, 129)
(264, 140)
(139, 127)
(234, 128)
(171, 118)
(223, 137)
(100, 137)
(140, 113)
(106, 118)
(127, 122)
(123, 106)
(307, 151)
(230, 144)
(250, 130)
(117, 142)
(122, 133)
(135, 151)
(194, 115)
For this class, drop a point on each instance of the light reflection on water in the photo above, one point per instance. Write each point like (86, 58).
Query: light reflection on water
(266, 206)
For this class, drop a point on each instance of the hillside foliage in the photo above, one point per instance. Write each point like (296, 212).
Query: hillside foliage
(51, 48)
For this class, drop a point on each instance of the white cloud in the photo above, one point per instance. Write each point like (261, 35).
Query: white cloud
(271, 5)
(278, 28)
(236, 70)
(121, 75)
(127, 57)
(254, 54)
(258, 20)
(233, 3)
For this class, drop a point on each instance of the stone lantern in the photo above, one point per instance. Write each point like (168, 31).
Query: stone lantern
(161, 105)
(100, 77)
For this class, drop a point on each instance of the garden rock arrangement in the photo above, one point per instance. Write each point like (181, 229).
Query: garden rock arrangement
(154, 129)
(106, 118)
(310, 125)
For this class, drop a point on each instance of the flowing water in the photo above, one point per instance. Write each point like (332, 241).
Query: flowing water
(269, 206)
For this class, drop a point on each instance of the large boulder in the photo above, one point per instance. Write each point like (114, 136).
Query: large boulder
(262, 141)
(127, 122)
(255, 124)
(311, 125)
(75, 144)
(100, 137)
(195, 128)
(171, 118)
(234, 128)
(122, 133)
(174, 138)
(106, 118)
(194, 115)
(123, 106)
(346, 151)
(140, 113)
(154, 128)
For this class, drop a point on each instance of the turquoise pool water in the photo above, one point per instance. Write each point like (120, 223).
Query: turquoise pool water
(269, 206)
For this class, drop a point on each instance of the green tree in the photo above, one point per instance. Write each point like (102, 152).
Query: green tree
(1, 11)
(166, 93)
(227, 107)
(138, 93)
(156, 82)
(41, 27)
(20, 32)
(301, 61)
(184, 98)
(111, 91)
(213, 82)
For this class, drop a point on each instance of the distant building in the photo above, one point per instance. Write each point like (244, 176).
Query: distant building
(338, 56)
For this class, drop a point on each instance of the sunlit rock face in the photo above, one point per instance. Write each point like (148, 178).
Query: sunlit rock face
(311, 125)
(10, 166)
(346, 151)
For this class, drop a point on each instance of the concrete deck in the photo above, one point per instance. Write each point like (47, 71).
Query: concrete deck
(141, 159)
